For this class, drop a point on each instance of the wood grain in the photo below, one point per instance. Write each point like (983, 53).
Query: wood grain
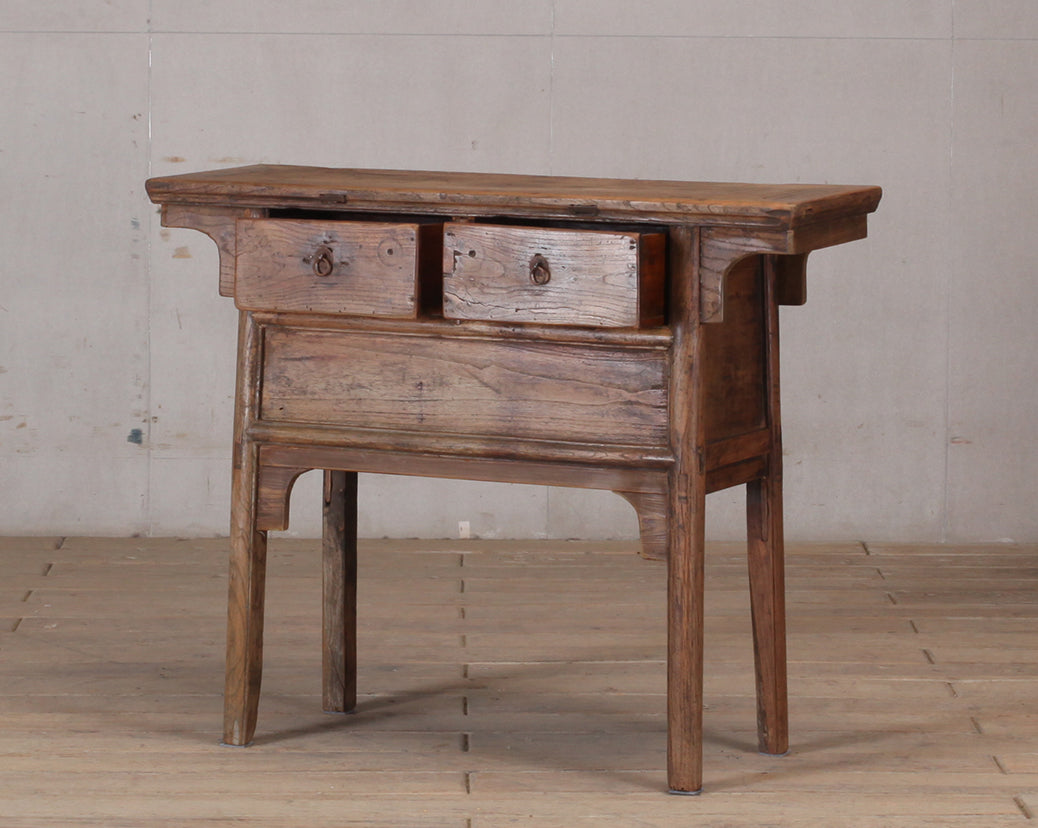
(722, 247)
(651, 509)
(733, 357)
(373, 267)
(454, 193)
(281, 464)
(686, 512)
(580, 348)
(791, 279)
(595, 277)
(339, 585)
(219, 224)
(474, 387)
(766, 552)
(248, 560)
(553, 710)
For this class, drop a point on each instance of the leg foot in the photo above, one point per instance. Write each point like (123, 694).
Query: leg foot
(244, 637)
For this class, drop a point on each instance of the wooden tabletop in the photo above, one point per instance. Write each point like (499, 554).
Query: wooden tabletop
(266, 185)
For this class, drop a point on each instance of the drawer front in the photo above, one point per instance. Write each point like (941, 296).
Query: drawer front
(339, 267)
(472, 386)
(553, 276)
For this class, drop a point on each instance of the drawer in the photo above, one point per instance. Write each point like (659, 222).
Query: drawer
(340, 267)
(434, 384)
(555, 276)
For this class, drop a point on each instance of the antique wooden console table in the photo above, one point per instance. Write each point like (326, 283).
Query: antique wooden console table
(596, 333)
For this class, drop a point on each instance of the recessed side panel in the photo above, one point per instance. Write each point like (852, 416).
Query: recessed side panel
(733, 356)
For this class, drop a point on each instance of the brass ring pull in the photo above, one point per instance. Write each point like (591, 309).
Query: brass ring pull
(540, 273)
(322, 261)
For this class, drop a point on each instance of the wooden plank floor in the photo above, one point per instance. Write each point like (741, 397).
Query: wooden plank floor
(514, 684)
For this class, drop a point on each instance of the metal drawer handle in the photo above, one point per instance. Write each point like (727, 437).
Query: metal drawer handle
(540, 273)
(322, 261)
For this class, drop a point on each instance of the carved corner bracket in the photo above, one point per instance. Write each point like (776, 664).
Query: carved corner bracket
(273, 493)
(218, 224)
(721, 247)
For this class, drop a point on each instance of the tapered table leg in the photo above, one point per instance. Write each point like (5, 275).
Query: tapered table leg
(768, 608)
(340, 592)
(766, 553)
(686, 502)
(247, 576)
(685, 640)
(244, 666)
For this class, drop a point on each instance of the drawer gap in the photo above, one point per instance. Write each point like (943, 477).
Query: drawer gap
(352, 215)
(572, 224)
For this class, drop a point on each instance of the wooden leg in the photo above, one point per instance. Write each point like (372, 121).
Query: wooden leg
(685, 639)
(685, 505)
(244, 667)
(765, 548)
(340, 592)
(768, 606)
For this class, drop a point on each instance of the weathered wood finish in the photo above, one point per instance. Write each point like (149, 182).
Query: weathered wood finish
(733, 357)
(372, 267)
(442, 385)
(282, 464)
(590, 277)
(766, 555)
(722, 247)
(783, 207)
(339, 644)
(686, 507)
(576, 352)
(219, 224)
(790, 279)
(651, 509)
(248, 553)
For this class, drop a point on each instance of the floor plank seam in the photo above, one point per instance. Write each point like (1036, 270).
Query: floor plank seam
(916, 710)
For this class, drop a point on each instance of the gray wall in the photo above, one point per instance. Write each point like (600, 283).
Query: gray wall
(909, 377)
